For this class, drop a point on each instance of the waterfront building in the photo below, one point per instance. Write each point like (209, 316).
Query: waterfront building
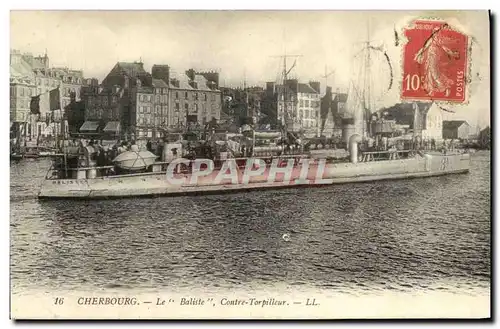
(195, 98)
(299, 101)
(22, 88)
(456, 129)
(136, 104)
(429, 118)
(243, 104)
(62, 83)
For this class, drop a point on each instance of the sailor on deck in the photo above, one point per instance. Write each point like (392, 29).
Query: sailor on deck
(122, 148)
(134, 147)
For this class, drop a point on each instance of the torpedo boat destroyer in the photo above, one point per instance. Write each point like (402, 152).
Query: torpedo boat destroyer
(139, 173)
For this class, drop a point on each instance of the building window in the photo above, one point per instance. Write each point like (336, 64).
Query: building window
(157, 98)
(177, 95)
(196, 96)
(148, 109)
(301, 103)
(213, 97)
(205, 97)
(140, 109)
(141, 121)
(196, 108)
(186, 95)
(177, 106)
(105, 101)
(186, 106)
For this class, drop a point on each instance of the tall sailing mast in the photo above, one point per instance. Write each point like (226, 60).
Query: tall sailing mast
(327, 74)
(367, 81)
(370, 56)
(285, 73)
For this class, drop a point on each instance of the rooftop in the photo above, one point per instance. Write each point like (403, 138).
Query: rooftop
(453, 124)
(159, 83)
(305, 88)
(403, 113)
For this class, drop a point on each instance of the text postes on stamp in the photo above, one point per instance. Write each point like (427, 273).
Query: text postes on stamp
(434, 62)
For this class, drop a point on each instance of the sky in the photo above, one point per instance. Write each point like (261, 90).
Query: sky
(242, 45)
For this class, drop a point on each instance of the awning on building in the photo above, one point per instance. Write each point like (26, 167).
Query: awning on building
(112, 127)
(89, 126)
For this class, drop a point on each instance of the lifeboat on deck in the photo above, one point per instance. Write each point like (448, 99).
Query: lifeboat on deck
(131, 160)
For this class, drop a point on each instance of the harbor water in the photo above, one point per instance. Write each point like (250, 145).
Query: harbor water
(406, 235)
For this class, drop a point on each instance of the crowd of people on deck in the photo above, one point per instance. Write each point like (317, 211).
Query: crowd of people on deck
(104, 153)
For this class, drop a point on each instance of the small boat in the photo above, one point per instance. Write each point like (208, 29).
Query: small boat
(131, 160)
(32, 154)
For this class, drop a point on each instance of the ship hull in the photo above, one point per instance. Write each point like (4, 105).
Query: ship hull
(315, 175)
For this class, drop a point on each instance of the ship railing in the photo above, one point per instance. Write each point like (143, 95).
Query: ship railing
(385, 155)
(156, 168)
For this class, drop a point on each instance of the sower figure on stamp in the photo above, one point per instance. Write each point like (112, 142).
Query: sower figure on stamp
(436, 77)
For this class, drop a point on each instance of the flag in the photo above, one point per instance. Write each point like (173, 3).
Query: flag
(55, 99)
(35, 105)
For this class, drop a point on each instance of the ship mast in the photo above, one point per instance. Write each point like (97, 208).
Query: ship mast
(367, 101)
(285, 85)
(247, 109)
(285, 88)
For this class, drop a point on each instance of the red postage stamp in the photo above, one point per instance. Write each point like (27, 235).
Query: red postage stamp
(435, 60)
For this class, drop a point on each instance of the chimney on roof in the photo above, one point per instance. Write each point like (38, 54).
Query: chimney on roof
(211, 76)
(191, 74)
(161, 72)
